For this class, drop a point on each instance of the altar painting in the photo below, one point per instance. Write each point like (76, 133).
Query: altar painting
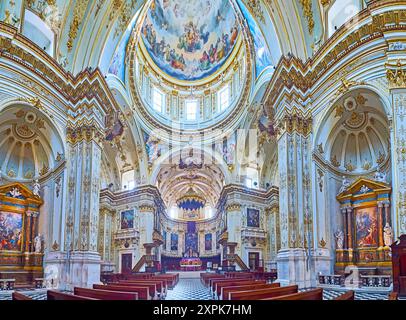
(11, 225)
(127, 219)
(174, 242)
(208, 242)
(366, 227)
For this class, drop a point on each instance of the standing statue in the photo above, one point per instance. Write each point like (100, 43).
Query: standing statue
(36, 188)
(345, 185)
(339, 235)
(380, 176)
(388, 235)
(38, 243)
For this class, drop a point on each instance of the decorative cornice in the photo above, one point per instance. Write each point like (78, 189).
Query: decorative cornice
(233, 207)
(88, 84)
(294, 78)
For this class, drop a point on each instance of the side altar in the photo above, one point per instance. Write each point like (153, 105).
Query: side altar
(367, 234)
(21, 257)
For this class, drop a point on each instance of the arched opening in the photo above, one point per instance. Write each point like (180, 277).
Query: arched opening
(38, 32)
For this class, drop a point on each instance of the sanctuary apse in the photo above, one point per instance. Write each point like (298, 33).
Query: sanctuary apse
(159, 149)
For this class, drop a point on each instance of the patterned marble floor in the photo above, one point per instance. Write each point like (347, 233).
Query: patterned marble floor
(192, 289)
(189, 289)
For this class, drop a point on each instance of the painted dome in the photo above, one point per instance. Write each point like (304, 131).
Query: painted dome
(190, 40)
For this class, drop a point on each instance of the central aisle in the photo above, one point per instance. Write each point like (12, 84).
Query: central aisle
(189, 289)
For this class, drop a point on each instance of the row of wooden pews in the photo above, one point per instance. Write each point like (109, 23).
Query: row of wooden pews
(245, 286)
(141, 286)
(149, 286)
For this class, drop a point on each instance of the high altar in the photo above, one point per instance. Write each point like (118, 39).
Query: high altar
(21, 256)
(365, 240)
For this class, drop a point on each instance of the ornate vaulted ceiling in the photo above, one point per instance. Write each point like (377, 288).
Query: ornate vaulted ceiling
(101, 24)
(190, 40)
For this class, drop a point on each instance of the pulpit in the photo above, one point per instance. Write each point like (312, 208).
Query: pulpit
(21, 257)
(399, 266)
(365, 239)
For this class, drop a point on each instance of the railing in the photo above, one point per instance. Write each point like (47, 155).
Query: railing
(337, 280)
(376, 281)
(241, 263)
(140, 264)
(364, 281)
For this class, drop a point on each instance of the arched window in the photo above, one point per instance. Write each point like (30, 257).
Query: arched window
(38, 31)
(342, 11)
(128, 180)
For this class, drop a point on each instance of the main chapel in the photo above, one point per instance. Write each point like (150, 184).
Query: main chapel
(202, 150)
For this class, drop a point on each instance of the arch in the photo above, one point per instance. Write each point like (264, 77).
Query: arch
(38, 31)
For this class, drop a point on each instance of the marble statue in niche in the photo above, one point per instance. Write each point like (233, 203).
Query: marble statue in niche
(346, 183)
(38, 243)
(36, 187)
(339, 236)
(380, 176)
(388, 235)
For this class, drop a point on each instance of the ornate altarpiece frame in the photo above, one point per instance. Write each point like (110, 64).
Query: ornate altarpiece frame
(365, 210)
(24, 264)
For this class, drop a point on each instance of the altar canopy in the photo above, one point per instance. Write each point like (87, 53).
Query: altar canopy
(367, 228)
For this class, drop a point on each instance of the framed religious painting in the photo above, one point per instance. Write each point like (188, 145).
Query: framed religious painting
(366, 227)
(174, 242)
(208, 242)
(127, 219)
(11, 226)
(253, 218)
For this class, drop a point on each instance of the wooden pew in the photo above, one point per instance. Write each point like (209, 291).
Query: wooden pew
(143, 291)
(56, 295)
(153, 291)
(393, 296)
(316, 294)
(105, 294)
(161, 286)
(350, 295)
(214, 282)
(225, 291)
(206, 279)
(172, 279)
(16, 296)
(230, 283)
(262, 293)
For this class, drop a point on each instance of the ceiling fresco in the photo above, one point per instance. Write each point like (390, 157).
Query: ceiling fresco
(190, 40)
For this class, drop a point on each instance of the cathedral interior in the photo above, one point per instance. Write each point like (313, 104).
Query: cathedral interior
(202, 150)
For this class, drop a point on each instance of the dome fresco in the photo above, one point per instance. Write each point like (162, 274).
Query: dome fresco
(190, 40)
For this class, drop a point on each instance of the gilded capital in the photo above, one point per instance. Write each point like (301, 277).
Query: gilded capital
(84, 131)
(396, 74)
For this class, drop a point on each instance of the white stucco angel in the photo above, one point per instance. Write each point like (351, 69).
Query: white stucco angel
(339, 236)
(38, 243)
(36, 187)
(380, 176)
(388, 235)
(345, 185)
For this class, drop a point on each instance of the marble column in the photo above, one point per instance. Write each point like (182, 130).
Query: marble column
(350, 239)
(396, 75)
(380, 224)
(82, 213)
(28, 231)
(345, 226)
(294, 260)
